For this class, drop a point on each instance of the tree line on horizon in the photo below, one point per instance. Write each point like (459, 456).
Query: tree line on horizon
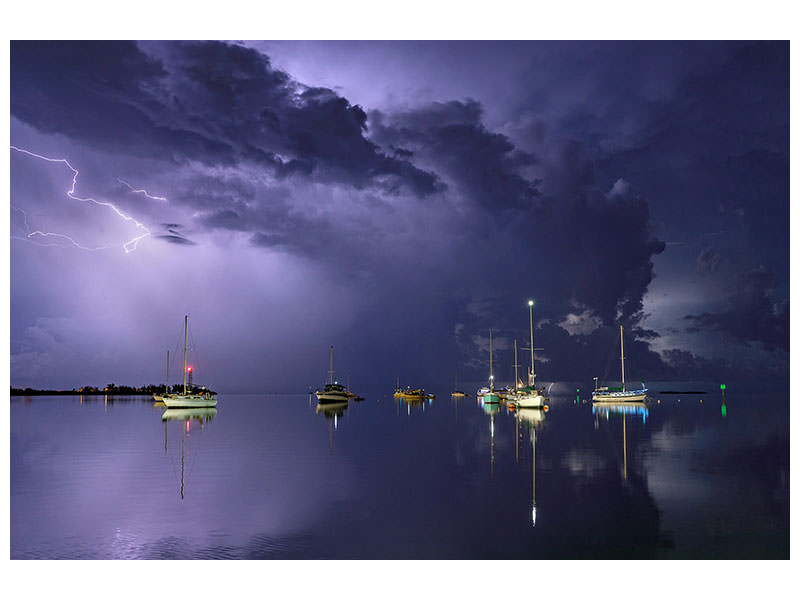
(110, 389)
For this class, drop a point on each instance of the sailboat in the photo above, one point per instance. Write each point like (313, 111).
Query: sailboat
(457, 393)
(527, 396)
(619, 394)
(487, 394)
(333, 391)
(160, 397)
(188, 399)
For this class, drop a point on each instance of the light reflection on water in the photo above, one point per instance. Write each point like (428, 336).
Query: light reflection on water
(286, 477)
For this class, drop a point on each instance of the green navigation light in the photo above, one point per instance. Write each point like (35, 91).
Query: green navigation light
(722, 386)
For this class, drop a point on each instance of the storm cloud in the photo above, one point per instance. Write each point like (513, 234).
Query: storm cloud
(410, 228)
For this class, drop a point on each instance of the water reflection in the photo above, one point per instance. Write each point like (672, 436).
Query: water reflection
(186, 416)
(491, 408)
(413, 403)
(695, 486)
(605, 409)
(532, 419)
(332, 411)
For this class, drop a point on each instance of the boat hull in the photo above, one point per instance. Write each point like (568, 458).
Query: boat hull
(626, 396)
(490, 398)
(189, 401)
(529, 401)
(332, 396)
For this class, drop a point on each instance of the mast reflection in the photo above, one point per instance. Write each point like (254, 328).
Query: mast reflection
(332, 411)
(532, 419)
(186, 416)
(636, 409)
(491, 409)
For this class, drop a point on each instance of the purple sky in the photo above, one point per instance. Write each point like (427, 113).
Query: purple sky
(397, 199)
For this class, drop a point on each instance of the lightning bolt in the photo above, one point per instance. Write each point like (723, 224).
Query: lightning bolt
(142, 191)
(128, 246)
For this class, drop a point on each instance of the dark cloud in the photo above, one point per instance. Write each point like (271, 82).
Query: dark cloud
(751, 314)
(201, 101)
(454, 140)
(708, 261)
(439, 216)
(175, 239)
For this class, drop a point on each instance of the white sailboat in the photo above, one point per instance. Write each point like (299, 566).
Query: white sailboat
(186, 399)
(487, 394)
(620, 394)
(333, 391)
(527, 396)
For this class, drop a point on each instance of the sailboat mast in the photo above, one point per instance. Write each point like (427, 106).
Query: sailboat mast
(530, 311)
(166, 390)
(185, 340)
(330, 368)
(516, 368)
(622, 357)
(491, 375)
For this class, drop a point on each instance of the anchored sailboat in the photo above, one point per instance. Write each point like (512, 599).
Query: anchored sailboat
(527, 396)
(333, 391)
(487, 394)
(619, 394)
(187, 399)
(457, 393)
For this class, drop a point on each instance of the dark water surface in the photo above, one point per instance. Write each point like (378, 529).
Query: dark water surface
(273, 477)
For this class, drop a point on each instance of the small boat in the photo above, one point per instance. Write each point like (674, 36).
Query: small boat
(333, 391)
(457, 393)
(410, 395)
(618, 394)
(202, 399)
(487, 394)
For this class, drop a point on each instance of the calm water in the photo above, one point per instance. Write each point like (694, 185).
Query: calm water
(274, 477)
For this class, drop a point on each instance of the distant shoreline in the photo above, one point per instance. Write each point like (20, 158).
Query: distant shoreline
(94, 392)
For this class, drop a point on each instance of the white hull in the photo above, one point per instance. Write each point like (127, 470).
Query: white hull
(626, 396)
(529, 401)
(189, 401)
(332, 396)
